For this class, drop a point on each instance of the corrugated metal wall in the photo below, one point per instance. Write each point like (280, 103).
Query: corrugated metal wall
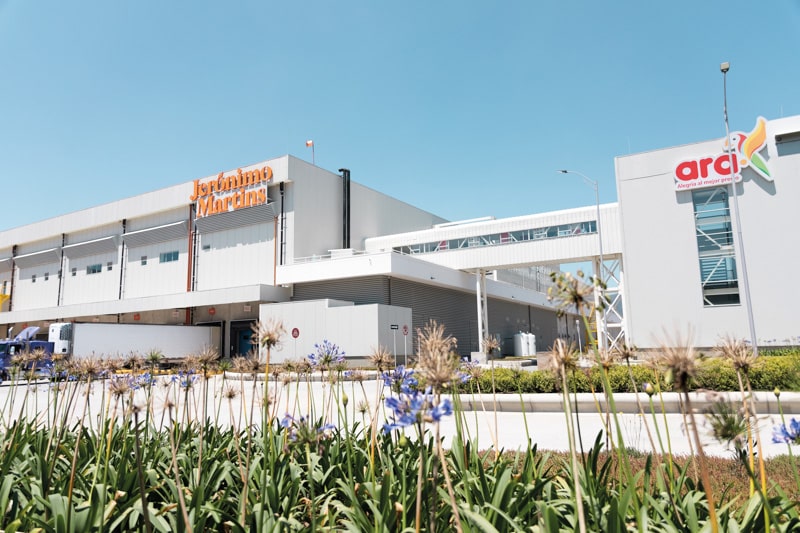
(367, 290)
(455, 309)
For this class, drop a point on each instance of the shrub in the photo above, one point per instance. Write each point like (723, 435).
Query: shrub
(770, 372)
(716, 373)
(540, 381)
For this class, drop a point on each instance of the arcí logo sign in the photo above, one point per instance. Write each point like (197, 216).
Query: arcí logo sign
(229, 193)
(713, 171)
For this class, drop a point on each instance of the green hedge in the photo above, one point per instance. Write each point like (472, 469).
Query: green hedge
(713, 373)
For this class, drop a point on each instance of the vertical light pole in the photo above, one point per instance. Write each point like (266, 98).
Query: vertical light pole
(724, 68)
(603, 335)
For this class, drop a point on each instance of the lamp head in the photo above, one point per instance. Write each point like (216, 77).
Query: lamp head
(724, 67)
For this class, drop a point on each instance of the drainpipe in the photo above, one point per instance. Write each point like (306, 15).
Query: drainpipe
(191, 262)
(345, 207)
(122, 261)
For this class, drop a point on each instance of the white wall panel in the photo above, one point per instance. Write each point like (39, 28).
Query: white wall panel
(5, 288)
(158, 219)
(235, 257)
(155, 277)
(97, 232)
(83, 287)
(317, 200)
(373, 213)
(30, 294)
(54, 241)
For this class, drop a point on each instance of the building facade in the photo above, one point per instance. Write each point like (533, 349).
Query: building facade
(684, 269)
(242, 245)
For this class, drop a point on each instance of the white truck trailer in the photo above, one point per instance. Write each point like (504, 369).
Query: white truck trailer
(109, 340)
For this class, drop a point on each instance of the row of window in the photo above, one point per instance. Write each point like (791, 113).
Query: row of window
(509, 237)
(165, 257)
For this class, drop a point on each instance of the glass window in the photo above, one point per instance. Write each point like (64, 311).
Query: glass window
(33, 278)
(168, 257)
(109, 265)
(144, 260)
(94, 269)
(718, 276)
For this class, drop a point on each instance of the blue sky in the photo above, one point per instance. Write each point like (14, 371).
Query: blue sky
(462, 108)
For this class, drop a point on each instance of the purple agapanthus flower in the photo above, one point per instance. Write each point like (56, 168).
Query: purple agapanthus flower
(145, 380)
(401, 379)
(185, 379)
(415, 407)
(790, 435)
(326, 354)
(301, 428)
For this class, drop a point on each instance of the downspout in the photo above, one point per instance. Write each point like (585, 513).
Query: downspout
(13, 269)
(281, 187)
(122, 256)
(191, 262)
(60, 271)
(345, 207)
(274, 251)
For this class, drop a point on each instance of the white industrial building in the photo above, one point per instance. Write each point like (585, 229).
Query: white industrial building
(287, 240)
(683, 268)
(336, 260)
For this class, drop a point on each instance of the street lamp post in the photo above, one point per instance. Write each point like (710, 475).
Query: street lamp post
(724, 68)
(598, 289)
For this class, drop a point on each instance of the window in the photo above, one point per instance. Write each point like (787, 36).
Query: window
(46, 276)
(109, 265)
(168, 257)
(33, 278)
(144, 260)
(74, 271)
(94, 269)
(715, 249)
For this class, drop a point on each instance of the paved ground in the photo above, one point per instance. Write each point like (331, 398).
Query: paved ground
(516, 419)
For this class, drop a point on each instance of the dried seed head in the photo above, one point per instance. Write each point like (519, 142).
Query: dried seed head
(606, 358)
(490, 344)
(436, 362)
(119, 387)
(230, 393)
(571, 293)
(268, 334)
(565, 356)
(625, 352)
(381, 359)
(679, 359)
(738, 352)
(134, 361)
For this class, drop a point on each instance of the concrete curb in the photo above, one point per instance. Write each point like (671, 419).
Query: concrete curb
(626, 402)
(765, 402)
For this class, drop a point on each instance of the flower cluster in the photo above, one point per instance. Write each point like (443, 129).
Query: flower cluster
(415, 407)
(303, 431)
(790, 435)
(142, 381)
(185, 379)
(401, 379)
(326, 355)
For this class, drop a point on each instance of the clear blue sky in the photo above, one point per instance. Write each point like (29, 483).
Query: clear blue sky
(463, 108)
